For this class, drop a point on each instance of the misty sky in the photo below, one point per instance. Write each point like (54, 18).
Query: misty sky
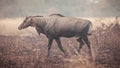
(75, 8)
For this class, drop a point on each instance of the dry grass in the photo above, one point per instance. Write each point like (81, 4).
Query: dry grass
(30, 51)
(108, 46)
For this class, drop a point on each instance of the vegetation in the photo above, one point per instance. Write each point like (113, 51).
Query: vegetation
(31, 51)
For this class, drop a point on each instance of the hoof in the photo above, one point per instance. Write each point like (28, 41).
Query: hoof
(76, 53)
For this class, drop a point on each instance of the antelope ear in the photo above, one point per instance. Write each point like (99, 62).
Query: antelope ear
(31, 20)
(26, 16)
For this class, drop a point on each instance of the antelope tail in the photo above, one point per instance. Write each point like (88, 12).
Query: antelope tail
(90, 27)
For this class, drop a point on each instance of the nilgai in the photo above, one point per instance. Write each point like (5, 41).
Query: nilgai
(55, 27)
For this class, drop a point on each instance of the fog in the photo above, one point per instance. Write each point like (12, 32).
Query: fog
(13, 12)
(75, 8)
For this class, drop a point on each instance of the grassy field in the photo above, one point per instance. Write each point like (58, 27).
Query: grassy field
(18, 51)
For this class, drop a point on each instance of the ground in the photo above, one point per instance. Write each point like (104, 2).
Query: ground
(31, 51)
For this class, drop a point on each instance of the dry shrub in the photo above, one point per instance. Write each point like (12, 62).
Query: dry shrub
(108, 44)
(30, 51)
(27, 52)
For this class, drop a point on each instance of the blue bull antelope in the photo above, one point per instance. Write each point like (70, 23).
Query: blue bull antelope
(55, 27)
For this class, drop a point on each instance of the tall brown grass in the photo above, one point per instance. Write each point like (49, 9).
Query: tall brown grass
(30, 51)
